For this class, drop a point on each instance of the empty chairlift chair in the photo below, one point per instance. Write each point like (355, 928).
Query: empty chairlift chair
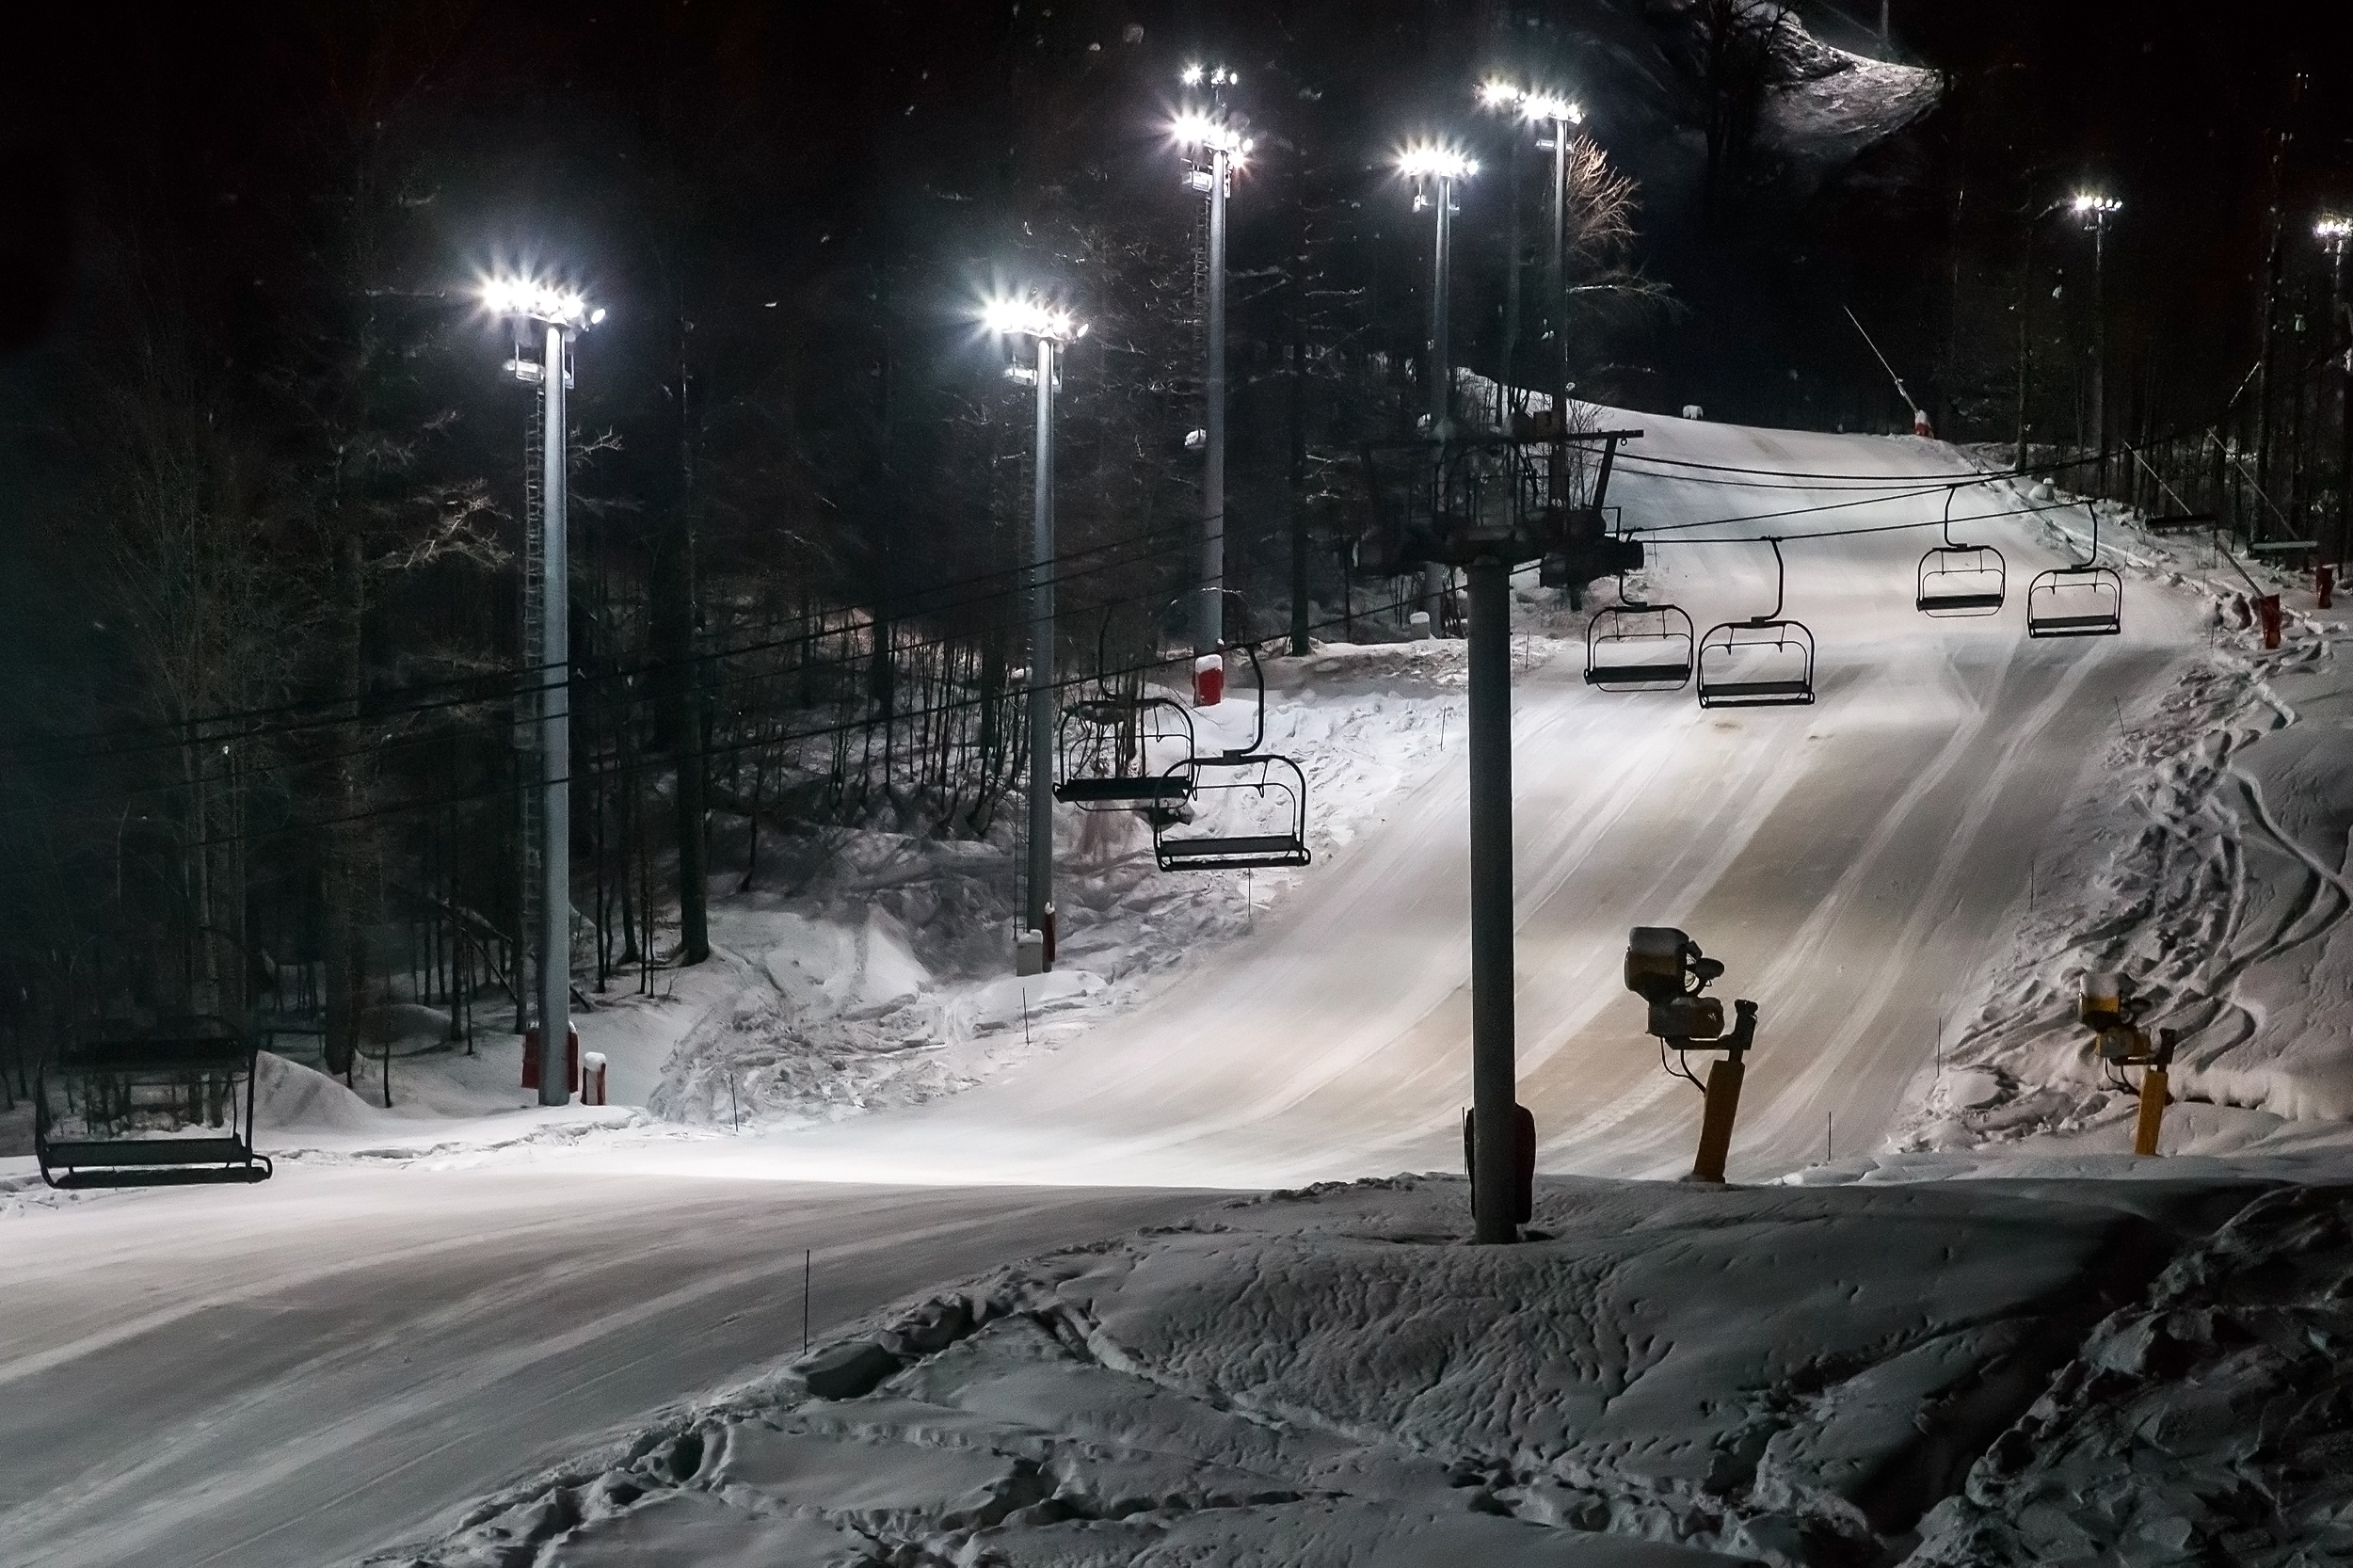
(1763, 662)
(2084, 600)
(1126, 754)
(1266, 787)
(1638, 647)
(1956, 578)
(167, 1108)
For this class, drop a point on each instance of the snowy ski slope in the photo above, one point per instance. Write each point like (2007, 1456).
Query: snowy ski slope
(388, 1336)
(1852, 862)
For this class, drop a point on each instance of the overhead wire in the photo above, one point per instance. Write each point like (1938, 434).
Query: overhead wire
(1062, 683)
(1177, 532)
(466, 691)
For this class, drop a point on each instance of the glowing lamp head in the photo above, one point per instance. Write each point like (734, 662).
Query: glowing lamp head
(2333, 231)
(1546, 105)
(1429, 161)
(1195, 128)
(1496, 93)
(2094, 204)
(1190, 76)
(1027, 317)
(534, 300)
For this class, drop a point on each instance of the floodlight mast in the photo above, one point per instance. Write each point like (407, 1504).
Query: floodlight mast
(2093, 209)
(2333, 231)
(562, 314)
(1216, 146)
(1051, 328)
(1434, 169)
(1540, 111)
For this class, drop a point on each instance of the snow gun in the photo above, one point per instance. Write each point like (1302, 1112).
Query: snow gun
(1666, 969)
(2111, 1010)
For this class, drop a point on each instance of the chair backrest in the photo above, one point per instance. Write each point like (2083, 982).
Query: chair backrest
(1767, 662)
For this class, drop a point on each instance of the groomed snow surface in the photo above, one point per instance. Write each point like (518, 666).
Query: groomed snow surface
(1933, 1374)
(1947, 1320)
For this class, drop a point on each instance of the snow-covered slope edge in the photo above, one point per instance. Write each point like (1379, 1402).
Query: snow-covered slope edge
(875, 965)
(2207, 858)
(1663, 1375)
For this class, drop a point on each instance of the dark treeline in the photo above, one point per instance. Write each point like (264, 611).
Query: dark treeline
(262, 517)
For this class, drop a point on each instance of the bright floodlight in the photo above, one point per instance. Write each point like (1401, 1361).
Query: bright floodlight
(1494, 92)
(2094, 204)
(2333, 230)
(1030, 317)
(1428, 160)
(1194, 129)
(538, 301)
(1190, 76)
(1546, 105)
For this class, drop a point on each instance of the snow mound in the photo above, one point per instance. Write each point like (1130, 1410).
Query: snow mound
(2210, 858)
(880, 979)
(289, 1097)
(827, 969)
(1661, 1375)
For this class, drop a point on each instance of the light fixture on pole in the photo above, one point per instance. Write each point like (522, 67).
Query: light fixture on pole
(2093, 209)
(561, 314)
(1544, 112)
(1433, 170)
(1051, 328)
(1214, 146)
(2333, 231)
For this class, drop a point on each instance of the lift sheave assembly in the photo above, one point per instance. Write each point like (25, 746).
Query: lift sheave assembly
(1763, 662)
(171, 1106)
(1666, 969)
(1958, 579)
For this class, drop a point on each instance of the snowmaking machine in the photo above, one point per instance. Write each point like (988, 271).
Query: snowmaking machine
(2111, 1009)
(1666, 969)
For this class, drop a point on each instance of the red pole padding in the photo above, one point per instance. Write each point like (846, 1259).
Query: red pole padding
(530, 1057)
(2268, 612)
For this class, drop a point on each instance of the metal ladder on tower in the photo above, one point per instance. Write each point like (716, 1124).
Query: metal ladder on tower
(528, 682)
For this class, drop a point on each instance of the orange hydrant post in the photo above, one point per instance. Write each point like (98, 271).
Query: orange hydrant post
(1723, 1104)
(2153, 1102)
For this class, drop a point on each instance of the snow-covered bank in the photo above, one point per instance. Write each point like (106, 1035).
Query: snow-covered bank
(872, 967)
(2207, 858)
(1665, 1375)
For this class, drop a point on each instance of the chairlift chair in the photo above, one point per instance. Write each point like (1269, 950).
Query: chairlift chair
(1268, 776)
(1956, 578)
(1124, 754)
(2084, 599)
(171, 1108)
(1736, 668)
(1634, 646)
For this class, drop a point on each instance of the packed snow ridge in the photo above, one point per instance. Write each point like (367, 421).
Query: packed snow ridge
(1941, 1374)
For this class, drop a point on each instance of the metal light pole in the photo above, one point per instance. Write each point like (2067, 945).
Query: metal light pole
(1218, 147)
(2333, 231)
(1434, 170)
(563, 316)
(2095, 210)
(1050, 329)
(1538, 109)
(1541, 109)
(1496, 94)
